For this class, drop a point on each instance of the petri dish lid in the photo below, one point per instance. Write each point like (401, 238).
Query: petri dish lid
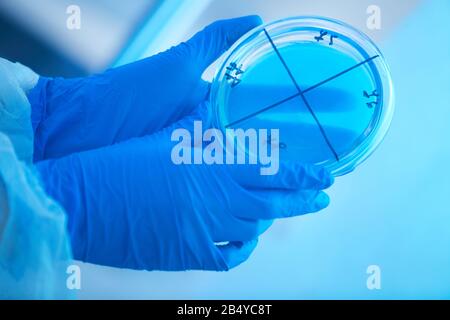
(324, 85)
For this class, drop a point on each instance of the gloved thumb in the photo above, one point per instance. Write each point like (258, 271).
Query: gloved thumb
(207, 45)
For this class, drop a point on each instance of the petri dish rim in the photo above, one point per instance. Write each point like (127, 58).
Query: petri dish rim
(357, 40)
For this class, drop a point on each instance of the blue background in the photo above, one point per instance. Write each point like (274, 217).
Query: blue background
(392, 211)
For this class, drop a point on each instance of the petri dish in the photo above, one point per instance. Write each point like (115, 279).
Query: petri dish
(323, 84)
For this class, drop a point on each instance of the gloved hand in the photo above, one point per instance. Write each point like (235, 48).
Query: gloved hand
(72, 115)
(130, 206)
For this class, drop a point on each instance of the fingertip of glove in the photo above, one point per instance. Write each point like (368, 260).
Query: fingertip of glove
(322, 201)
(307, 202)
(236, 253)
(327, 178)
(322, 176)
(237, 27)
(251, 21)
(207, 45)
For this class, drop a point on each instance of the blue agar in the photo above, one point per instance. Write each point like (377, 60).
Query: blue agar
(317, 86)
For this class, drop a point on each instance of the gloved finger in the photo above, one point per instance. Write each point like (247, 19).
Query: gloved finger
(290, 175)
(199, 116)
(273, 204)
(232, 228)
(235, 253)
(193, 98)
(207, 45)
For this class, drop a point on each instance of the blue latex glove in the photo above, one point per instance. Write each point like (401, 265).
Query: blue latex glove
(130, 206)
(71, 115)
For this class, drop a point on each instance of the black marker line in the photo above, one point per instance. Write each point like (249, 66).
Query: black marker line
(340, 74)
(305, 101)
(276, 104)
(262, 110)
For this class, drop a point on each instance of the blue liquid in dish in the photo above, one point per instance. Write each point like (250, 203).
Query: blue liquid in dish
(328, 122)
